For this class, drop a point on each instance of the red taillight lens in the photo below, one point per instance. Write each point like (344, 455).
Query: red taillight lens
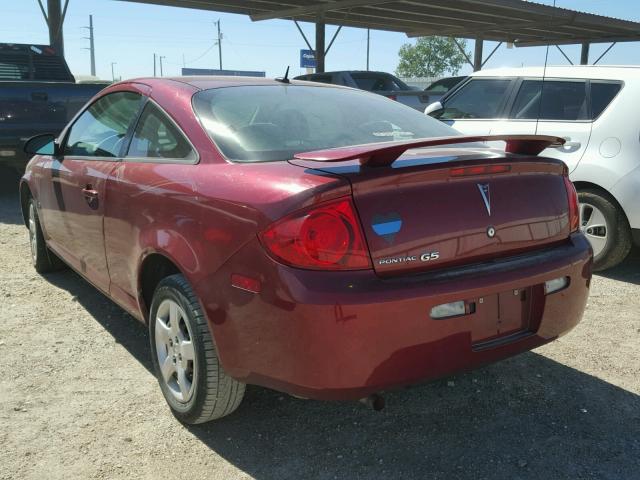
(327, 237)
(479, 170)
(574, 215)
(393, 97)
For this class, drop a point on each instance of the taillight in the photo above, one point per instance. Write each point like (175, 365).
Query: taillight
(479, 170)
(326, 237)
(393, 97)
(574, 215)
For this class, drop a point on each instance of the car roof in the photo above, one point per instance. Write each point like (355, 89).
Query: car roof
(207, 82)
(375, 72)
(613, 72)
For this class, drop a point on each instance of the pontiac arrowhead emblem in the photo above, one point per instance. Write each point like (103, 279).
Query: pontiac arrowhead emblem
(486, 195)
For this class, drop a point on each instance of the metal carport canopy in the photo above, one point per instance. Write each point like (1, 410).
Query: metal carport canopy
(522, 23)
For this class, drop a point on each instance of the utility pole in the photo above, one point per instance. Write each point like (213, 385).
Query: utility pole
(154, 64)
(219, 43)
(113, 75)
(368, 31)
(91, 48)
(161, 71)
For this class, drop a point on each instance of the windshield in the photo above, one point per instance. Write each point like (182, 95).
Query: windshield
(274, 122)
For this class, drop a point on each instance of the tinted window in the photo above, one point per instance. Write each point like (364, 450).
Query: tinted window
(318, 78)
(374, 82)
(157, 137)
(481, 98)
(22, 63)
(278, 121)
(444, 85)
(560, 101)
(601, 95)
(100, 130)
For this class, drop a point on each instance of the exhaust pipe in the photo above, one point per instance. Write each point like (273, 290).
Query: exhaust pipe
(374, 401)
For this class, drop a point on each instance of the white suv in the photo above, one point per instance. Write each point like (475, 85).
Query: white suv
(596, 109)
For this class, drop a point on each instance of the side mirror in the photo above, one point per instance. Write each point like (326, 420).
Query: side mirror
(434, 107)
(44, 144)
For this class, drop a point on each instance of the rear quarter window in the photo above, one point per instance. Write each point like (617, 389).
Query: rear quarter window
(561, 100)
(602, 94)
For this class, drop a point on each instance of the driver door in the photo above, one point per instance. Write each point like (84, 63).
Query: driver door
(92, 146)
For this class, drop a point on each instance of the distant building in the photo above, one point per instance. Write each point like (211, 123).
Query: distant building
(228, 73)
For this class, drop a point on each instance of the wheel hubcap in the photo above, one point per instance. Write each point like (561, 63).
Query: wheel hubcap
(174, 349)
(594, 226)
(33, 239)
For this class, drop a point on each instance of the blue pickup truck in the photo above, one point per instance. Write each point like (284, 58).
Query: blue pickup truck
(38, 94)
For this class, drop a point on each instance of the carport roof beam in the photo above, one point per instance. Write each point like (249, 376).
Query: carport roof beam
(522, 23)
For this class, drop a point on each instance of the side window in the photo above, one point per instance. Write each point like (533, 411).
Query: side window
(602, 93)
(100, 130)
(560, 101)
(480, 98)
(320, 78)
(373, 82)
(157, 137)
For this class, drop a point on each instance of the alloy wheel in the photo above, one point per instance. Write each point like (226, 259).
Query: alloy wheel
(33, 232)
(174, 349)
(594, 225)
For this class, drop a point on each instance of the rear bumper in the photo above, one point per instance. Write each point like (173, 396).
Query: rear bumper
(330, 335)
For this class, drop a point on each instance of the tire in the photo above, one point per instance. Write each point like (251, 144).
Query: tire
(206, 392)
(611, 245)
(43, 259)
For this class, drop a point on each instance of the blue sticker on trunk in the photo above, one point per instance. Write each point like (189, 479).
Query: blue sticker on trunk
(387, 225)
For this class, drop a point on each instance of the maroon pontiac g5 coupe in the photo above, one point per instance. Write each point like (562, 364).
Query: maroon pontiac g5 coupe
(315, 239)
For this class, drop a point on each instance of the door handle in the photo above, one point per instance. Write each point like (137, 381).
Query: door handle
(89, 192)
(569, 145)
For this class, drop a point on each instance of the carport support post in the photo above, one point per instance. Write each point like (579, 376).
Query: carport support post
(320, 46)
(584, 54)
(54, 14)
(477, 54)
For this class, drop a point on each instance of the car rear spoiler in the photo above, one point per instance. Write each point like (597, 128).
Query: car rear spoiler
(385, 153)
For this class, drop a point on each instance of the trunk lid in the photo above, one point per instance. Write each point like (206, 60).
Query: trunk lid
(436, 208)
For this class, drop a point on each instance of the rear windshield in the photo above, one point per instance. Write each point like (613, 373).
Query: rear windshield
(32, 64)
(274, 122)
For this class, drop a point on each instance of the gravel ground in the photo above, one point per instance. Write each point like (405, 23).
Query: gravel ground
(78, 399)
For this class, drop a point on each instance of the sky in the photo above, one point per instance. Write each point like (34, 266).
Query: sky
(129, 34)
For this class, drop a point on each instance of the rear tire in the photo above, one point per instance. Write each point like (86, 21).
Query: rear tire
(606, 227)
(43, 259)
(184, 356)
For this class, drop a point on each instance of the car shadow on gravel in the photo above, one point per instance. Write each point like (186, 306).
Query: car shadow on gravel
(527, 417)
(125, 329)
(628, 271)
